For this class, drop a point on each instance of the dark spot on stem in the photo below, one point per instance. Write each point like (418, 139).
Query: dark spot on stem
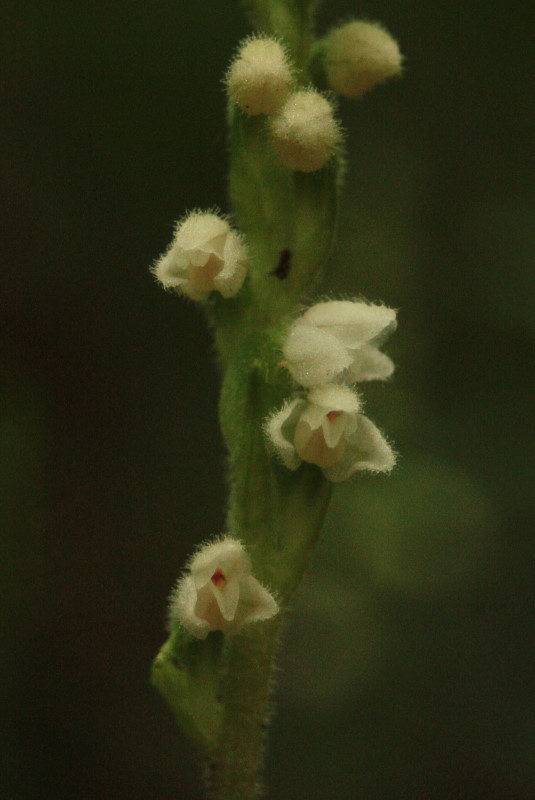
(282, 270)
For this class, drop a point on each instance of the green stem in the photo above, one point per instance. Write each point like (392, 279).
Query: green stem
(289, 19)
(236, 763)
(279, 514)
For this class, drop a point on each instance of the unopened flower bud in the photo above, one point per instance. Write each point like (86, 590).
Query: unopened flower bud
(259, 78)
(305, 133)
(358, 56)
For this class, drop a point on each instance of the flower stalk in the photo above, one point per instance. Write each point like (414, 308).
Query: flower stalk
(290, 416)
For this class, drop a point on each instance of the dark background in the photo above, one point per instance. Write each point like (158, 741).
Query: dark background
(408, 668)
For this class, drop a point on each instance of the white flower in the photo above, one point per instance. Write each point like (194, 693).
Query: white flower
(205, 255)
(328, 429)
(339, 340)
(304, 133)
(218, 593)
(358, 56)
(259, 78)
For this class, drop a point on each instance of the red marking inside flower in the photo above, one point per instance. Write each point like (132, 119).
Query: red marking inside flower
(332, 415)
(218, 578)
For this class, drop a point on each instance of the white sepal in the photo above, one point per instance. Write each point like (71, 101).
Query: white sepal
(218, 592)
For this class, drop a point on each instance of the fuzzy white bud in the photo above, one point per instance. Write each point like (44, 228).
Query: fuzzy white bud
(305, 133)
(358, 56)
(218, 592)
(259, 78)
(205, 255)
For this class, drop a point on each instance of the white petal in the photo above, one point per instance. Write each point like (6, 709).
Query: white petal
(369, 364)
(313, 355)
(280, 429)
(366, 450)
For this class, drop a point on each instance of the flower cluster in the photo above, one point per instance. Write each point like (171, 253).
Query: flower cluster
(205, 255)
(302, 129)
(331, 345)
(218, 592)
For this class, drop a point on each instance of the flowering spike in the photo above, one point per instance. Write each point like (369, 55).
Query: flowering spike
(205, 255)
(259, 78)
(218, 592)
(304, 133)
(358, 56)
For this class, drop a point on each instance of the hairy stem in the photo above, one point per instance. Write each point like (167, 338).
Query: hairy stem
(236, 763)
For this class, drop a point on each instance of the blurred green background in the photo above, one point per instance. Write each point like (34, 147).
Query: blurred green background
(408, 667)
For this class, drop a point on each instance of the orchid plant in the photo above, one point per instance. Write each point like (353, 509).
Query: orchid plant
(291, 416)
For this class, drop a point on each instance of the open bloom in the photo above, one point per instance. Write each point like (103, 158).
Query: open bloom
(218, 593)
(339, 340)
(205, 255)
(328, 429)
